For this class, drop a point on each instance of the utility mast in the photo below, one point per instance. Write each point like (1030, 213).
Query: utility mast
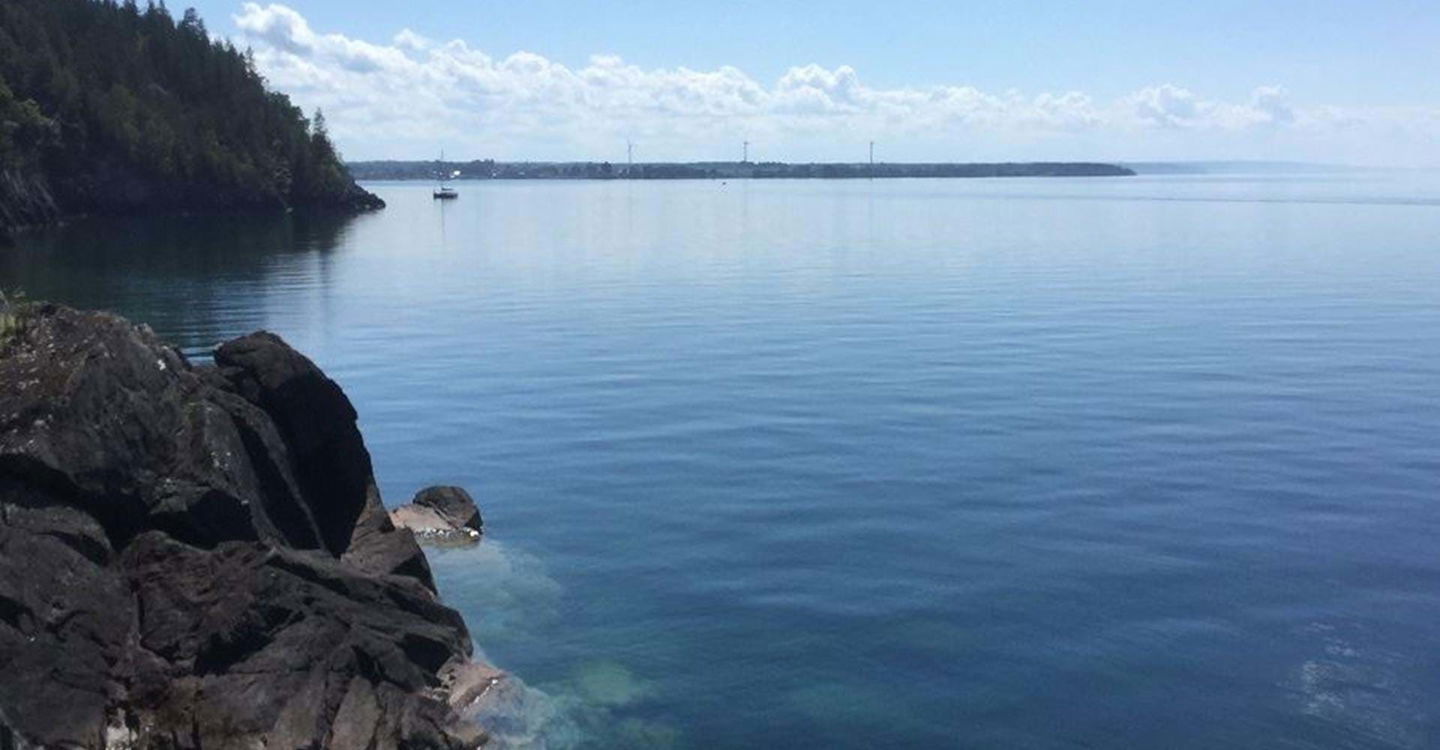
(745, 153)
(872, 160)
(629, 158)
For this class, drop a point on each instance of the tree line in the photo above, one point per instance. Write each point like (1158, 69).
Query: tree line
(120, 106)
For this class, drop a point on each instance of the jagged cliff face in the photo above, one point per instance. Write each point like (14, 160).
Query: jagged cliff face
(25, 200)
(198, 557)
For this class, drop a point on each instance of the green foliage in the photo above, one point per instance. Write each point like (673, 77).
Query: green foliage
(92, 84)
(24, 131)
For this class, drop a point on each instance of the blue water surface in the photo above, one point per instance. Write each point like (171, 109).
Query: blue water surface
(1029, 463)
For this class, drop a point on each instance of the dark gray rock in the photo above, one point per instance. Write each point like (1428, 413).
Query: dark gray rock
(198, 557)
(441, 515)
(454, 503)
(378, 547)
(65, 614)
(317, 422)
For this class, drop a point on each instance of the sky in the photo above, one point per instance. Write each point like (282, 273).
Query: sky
(1342, 82)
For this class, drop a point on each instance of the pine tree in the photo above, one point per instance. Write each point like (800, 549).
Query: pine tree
(98, 88)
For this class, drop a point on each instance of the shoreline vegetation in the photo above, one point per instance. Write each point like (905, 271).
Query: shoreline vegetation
(489, 169)
(111, 108)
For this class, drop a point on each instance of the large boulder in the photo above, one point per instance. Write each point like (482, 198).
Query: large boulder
(197, 557)
(441, 515)
(317, 422)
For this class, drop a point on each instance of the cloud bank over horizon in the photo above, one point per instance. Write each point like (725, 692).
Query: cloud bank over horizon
(409, 96)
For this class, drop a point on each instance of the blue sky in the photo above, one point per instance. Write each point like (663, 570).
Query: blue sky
(1343, 81)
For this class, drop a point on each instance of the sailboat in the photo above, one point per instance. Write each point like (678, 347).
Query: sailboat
(442, 191)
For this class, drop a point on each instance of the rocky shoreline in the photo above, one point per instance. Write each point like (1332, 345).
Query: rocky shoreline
(31, 201)
(196, 556)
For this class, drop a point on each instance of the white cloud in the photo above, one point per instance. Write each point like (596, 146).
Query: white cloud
(1273, 103)
(412, 42)
(405, 98)
(278, 26)
(1167, 106)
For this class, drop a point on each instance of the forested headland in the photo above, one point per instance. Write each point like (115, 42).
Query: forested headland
(110, 107)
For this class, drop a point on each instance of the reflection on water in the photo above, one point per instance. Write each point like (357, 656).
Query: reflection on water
(1033, 463)
(1363, 693)
(198, 279)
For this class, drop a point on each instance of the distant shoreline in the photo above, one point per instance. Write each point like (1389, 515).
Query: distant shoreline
(493, 170)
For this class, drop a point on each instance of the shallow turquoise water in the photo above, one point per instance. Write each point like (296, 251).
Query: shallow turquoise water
(1141, 462)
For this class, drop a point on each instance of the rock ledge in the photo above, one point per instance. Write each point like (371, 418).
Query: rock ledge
(197, 556)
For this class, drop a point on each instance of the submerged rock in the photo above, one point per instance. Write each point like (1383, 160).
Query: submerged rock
(441, 515)
(197, 557)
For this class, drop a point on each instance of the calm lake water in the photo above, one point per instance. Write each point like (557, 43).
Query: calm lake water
(1106, 463)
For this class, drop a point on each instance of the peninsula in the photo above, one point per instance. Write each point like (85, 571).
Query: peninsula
(490, 169)
(108, 108)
